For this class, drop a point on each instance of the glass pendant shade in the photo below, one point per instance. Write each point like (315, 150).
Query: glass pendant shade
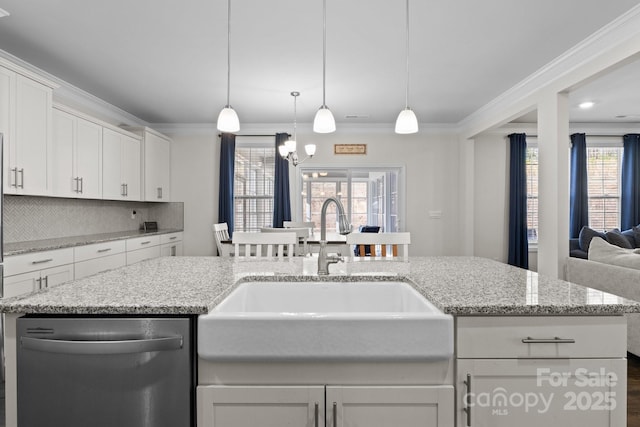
(324, 121)
(407, 122)
(310, 149)
(290, 145)
(228, 120)
(283, 150)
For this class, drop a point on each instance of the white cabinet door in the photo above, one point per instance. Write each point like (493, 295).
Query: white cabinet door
(55, 276)
(112, 185)
(131, 167)
(171, 249)
(157, 166)
(32, 137)
(21, 284)
(541, 392)
(88, 159)
(64, 136)
(7, 124)
(405, 406)
(268, 406)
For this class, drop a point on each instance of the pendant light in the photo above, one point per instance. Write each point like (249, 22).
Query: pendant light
(228, 119)
(288, 149)
(407, 121)
(324, 121)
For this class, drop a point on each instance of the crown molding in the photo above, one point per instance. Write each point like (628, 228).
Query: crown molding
(74, 97)
(612, 44)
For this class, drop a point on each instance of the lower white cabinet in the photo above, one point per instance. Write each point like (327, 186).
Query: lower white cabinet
(320, 406)
(143, 254)
(171, 249)
(21, 284)
(38, 270)
(99, 265)
(541, 370)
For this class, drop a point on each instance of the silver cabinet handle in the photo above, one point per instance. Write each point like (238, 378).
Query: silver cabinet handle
(21, 172)
(15, 178)
(335, 414)
(39, 281)
(122, 189)
(42, 261)
(126, 189)
(467, 402)
(315, 415)
(45, 279)
(555, 340)
(146, 242)
(159, 192)
(103, 250)
(173, 238)
(101, 347)
(174, 250)
(81, 185)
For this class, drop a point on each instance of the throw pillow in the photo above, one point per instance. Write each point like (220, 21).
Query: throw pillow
(615, 237)
(636, 235)
(601, 251)
(586, 234)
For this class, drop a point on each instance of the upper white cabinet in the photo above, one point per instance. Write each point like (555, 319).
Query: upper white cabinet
(156, 165)
(25, 122)
(120, 166)
(77, 156)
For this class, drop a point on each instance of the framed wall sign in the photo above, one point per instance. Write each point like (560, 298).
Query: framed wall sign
(349, 148)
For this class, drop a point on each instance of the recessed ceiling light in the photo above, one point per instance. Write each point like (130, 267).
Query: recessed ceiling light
(4, 13)
(586, 105)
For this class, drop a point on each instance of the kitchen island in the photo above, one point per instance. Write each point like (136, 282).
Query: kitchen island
(490, 302)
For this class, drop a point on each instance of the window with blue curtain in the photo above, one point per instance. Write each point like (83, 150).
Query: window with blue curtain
(579, 195)
(630, 194)
(518, 242)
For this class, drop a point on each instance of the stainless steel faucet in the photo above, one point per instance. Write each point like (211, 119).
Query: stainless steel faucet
(344, 227)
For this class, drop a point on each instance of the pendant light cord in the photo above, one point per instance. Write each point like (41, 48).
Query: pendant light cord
(295, 114)
(324, 52)
(406, 94)
(228, 51)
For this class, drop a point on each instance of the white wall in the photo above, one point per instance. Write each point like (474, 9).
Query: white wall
(195, 156)
(431, 161)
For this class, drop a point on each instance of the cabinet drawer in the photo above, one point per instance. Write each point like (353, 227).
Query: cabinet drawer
(143, 254)
(19, 264)
(83, 253)
(98, 265)
(142, 242)
(170, 238)
(541, 337)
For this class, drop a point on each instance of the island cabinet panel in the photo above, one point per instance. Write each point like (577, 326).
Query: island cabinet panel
(340, 406)
(232, 406)
(541, 370)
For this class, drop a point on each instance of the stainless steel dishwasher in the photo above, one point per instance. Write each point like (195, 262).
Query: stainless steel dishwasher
(99, 372)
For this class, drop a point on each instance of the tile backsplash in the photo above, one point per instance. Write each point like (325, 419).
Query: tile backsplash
(37, 218)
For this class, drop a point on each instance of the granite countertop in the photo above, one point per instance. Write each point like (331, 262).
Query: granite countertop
(19, 248)
(195, 285)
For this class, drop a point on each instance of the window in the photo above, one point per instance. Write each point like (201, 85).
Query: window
(531, 164)
(370, 196)
(604, 166)
(253, 185)
(604, 170)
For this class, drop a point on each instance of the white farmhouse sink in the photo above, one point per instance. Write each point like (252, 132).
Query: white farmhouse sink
(365, 321)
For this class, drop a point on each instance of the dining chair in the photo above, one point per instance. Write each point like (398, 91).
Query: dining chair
(300, 224)
(387, 243)
(221, 233)
(265, 244)
(302, 234)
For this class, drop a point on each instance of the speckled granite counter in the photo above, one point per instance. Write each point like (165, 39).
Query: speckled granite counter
(194, 285)
(67, 242)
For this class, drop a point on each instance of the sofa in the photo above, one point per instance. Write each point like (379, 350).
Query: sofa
(599, 272)
(579, 247)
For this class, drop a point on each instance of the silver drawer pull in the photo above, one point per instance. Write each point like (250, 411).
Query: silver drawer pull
(42, 261)
(555, 340)
(145, 242)
(335, 414)
(173, 238)
(103, 250)
(315, 415)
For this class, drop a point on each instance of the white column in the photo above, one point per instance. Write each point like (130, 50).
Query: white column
(553, 184)
(466, 199)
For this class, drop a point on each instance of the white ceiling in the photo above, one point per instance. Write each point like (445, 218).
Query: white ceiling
(165, 61)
